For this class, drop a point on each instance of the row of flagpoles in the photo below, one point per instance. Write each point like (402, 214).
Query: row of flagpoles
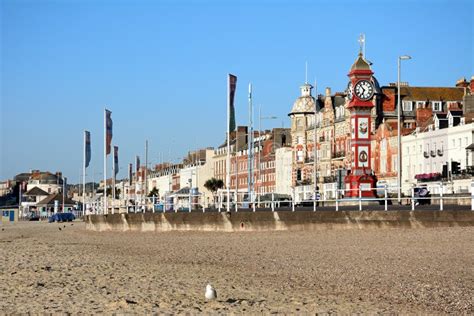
(108, 133)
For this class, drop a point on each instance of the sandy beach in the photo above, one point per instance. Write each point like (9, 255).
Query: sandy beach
(47, 270)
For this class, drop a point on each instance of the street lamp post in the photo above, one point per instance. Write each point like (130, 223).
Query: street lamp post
(399, 138)
(260, 118)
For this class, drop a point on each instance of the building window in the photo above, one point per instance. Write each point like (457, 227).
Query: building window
(407, 106)
(436, 105)
(299, 155)
(420, 104)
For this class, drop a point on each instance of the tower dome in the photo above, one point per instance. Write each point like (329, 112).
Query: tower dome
(305, 103)
(360, 63)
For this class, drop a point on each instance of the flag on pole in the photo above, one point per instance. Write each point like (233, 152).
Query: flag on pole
(87, 148)
(116, 166)
(137, 163)
(232, 86)
(130, 173)
(108, 127)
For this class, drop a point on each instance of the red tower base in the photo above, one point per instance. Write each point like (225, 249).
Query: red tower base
(366, 183)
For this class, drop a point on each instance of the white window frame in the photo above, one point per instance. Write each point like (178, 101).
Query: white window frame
(407, 106)
(434, 104)
(420, 104)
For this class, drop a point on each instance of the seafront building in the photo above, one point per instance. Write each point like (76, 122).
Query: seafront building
(424, 109)
(437, 146)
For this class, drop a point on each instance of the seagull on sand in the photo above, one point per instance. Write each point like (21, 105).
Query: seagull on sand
(211, 293)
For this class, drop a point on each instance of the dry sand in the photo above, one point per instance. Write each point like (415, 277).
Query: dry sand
(47, 270)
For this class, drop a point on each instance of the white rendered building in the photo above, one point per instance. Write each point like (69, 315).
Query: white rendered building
(425, 153)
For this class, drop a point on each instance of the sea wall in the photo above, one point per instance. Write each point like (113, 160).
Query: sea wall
(281, 220)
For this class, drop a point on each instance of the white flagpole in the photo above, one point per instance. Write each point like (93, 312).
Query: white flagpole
(105, 162)
(236, 165)
(145, 184)
(250, 148)
(228, 145)
(315, 178)
(113, 183)
(84, 179)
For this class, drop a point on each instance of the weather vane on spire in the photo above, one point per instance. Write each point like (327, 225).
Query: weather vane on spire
(362, 44)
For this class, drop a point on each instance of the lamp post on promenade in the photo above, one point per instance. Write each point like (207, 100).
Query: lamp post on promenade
(399, 138)
(260, 118)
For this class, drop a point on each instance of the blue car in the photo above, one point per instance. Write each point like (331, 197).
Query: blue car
(61, 217)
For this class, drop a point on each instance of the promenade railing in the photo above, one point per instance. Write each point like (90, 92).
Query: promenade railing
(358, 199)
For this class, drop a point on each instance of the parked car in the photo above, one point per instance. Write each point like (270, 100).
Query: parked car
(422, 196)
(61, 217)
(33, 217)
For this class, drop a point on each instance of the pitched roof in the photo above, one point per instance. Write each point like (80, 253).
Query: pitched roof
(456, 113)
(35, 192)
(49, 200)
(441, 116)
(432, 93)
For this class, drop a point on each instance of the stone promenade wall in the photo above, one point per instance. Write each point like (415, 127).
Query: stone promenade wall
(282, 220)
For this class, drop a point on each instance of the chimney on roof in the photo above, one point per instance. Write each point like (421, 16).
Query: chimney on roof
(402, 84)
(328, 91)
(462, 83)
(59, 174)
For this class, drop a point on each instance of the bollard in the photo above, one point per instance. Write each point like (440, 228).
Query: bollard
(292, 205)
(360, 199)
(441, 206)
(386, 202)
(412, 199)
(218, 203)
(273, 202)
(472, 195)
(236, 202)
(253, 206)
(314, 200)
(337, 200)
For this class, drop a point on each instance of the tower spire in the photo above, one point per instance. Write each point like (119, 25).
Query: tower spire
(306, 73)
(361, 41)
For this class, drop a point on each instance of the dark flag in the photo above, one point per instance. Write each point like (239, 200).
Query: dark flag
(108, 129)
(87, 145)
(130, 173)
(232, 87)
(116, 166)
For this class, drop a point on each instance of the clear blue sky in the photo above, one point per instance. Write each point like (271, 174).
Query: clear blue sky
(161, 66)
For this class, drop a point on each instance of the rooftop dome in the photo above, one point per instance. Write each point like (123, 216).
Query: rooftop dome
(360, 64)
(305, 103)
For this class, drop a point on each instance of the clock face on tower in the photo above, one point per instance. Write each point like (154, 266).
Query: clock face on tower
(364, 90)
(350, 90)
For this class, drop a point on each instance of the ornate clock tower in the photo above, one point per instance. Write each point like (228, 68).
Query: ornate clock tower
(361, 91)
